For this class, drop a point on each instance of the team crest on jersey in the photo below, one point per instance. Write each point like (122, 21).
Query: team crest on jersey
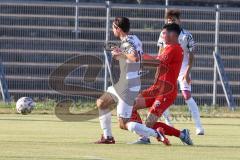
(164, 57)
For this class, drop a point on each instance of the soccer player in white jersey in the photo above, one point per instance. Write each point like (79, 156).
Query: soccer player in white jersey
(126, 89)
(184, 79)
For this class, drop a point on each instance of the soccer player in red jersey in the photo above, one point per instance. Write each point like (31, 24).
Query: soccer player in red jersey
(163, 92)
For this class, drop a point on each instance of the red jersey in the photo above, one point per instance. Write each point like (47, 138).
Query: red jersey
(168, 70)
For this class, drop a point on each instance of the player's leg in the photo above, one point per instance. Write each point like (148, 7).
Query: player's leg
(142, 130)
(124, 112)
(158, 106)
(103, 104)
(141, 102)
(192, 105)
(166, 116)
(157, 109)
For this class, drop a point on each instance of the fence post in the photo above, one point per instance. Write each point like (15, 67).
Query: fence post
(3, 86)
(106, 41)
(76, 30)
(166, 9)
(216, 51)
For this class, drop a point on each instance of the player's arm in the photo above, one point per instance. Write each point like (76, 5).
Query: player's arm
(191, 49)
(149, 60)
(190, 63)
(132, 56)
(160, 48)
(161, 43)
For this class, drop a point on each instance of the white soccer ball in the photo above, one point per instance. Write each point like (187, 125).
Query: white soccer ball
(25, 105)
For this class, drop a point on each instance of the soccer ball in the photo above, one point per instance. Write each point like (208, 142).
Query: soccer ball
(25, 105)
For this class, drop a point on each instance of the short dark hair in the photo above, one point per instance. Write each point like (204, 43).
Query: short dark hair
(173, 27)
(173, 13)
(123, 23)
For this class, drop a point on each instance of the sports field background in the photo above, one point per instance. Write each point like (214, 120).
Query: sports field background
(41, 135)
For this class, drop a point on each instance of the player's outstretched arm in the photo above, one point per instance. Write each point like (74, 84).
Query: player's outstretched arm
(149, 60)
(133, 56)
(189, 67)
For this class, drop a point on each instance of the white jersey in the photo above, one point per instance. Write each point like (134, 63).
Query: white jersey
(129, 83)
(188, 45)
(130, 44)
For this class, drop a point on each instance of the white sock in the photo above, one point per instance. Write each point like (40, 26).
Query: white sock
(166, 117)
(105, 122)
(194, 111)
(141, 129)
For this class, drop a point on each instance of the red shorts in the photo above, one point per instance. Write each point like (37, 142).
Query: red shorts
(156, 103)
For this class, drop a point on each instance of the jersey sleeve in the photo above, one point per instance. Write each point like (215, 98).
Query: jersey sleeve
(133, 44)
(128, 47)
(190, 43)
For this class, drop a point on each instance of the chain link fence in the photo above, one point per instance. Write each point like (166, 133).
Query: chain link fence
(37, 38)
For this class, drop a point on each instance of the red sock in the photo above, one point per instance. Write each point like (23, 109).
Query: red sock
(136, 117)
(168, 130)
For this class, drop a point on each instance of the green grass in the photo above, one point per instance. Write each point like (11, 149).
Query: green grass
(40, 136)
(47, 107)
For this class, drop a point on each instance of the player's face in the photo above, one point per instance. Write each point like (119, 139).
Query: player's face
(164, 33)
(173, 20)
(115, 29)
(170, 37)
(167, 37)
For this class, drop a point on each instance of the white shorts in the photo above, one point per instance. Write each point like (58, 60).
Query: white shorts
(183, 85)
(124, 110)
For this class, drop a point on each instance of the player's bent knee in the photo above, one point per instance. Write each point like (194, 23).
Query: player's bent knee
(151, 120)
(105, 101)
(139, 103)
(131, 126)
(149, 124)
(122, 126)
(99, 103)
(186, 94)
(123, 123)
(136, 104)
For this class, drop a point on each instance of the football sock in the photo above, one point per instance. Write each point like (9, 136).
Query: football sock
(194, 111)
(141, 129)
(168, 130)
(166, 117)
(105, 122)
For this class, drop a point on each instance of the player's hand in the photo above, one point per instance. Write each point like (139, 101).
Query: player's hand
(116, 52)
(187, 78)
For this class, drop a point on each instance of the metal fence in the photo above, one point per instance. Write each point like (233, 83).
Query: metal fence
(36, 38)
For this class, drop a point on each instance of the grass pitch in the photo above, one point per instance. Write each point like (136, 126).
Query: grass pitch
(39, 136)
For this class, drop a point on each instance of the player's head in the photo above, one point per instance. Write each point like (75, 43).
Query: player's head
(172, 31)
(121, 25)
(173, 16)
